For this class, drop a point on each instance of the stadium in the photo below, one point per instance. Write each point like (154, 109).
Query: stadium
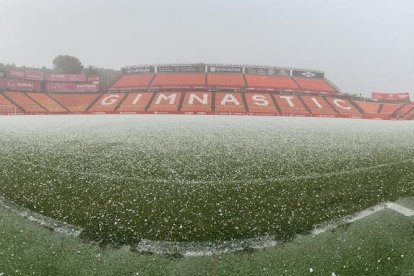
(153, 177)
(196, 89)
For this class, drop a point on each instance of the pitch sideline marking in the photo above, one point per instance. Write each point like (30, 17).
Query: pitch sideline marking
(363, 214)
(198, 249)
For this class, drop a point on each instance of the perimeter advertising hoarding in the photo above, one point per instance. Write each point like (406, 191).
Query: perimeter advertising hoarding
(265, 71)
(181, 69)
(66, 77)
(17, 74)
(35, 75)
(308, 74)
(139, 70)
(62, 87)
(22, 85)
(395, 97)
(225, 69)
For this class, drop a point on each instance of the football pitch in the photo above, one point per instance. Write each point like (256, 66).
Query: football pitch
(196, 179)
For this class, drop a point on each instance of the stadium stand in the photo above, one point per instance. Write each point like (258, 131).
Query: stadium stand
(389, 108)
(6, 107)
(75, 103)
(25, 103)
(291, 105)
(318, 106)
(132, 81)
(260, 103)
(226, 80)
(179, 80)
(46, 102)
(271, 82)
(314, 85)
(165, 102)
(410, 114)
(344, 107)
(197, 102)
(229, 103)
(369, 108)
(107, 103)
(403, 110)
(135, 102)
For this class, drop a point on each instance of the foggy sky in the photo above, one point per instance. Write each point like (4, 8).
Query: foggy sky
(362, 45)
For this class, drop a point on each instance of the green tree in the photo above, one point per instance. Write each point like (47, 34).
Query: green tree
(67, 64)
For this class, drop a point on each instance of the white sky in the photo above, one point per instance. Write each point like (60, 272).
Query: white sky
(362, 45)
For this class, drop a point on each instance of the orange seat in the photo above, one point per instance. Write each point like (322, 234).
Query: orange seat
(272, 82)
(368, 107)
(135, 102)
(76, 103)
(44, 100)
(6, 107)
(107, 102)
(165, 102)
(132, 81)
(229, 103)
(318, 106)
(314, 85)
(404, 110)
(226, 80)
(389, 109)
(344, 107)
(260, 103)
(179, 80)
(290, 105)
(24, 102)
(197, 102)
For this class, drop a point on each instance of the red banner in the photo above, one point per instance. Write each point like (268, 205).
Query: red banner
(396, 97)
(71, 87)
(35, 75)
(66, 77)
(3, 84)
(17, 74)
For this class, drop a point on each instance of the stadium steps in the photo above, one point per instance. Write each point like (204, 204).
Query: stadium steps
(121, 102)
(304, 104)
(11, 107)
(357, 107)
(180, 103)
(380, 108)
(92, 104)
(243, 95)
(47, 102)
(150, 101)
(279, 110)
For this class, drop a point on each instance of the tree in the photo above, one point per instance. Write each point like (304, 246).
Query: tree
(91, 70)
(67, 64)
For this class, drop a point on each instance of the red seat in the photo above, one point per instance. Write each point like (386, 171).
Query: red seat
(135, 102)
(318, 106)
(76, 103)
(271, 82)
(107, 103)
(291, 105)
(389, 109)
(197, 102)
(24, 102)
(229, 103)
(44, 100)
(404, 110)
(165, 102)
(260, 103)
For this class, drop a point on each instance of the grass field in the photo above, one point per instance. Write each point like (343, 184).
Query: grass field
(207, 178)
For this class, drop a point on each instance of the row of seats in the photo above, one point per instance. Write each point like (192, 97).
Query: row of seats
(199, 102)
(222, 81)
